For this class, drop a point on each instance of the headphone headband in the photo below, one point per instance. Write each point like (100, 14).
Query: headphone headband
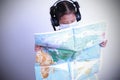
(61, 1)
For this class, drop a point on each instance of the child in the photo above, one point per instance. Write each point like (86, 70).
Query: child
(64, 14)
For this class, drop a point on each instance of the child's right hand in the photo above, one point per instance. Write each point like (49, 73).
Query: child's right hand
(37, 48)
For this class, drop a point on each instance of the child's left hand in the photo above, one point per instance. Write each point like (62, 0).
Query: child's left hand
(103, 44)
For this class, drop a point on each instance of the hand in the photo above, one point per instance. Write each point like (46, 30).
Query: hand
(37, 48)
(103, 44)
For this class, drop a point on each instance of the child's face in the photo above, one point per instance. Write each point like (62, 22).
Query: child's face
(67, 19)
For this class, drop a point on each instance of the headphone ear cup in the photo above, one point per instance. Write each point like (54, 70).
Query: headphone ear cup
(78, 15)
(54, 20)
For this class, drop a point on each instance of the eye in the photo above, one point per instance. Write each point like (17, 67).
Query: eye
(66, 23)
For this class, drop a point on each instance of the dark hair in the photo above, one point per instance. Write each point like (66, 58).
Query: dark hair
(61, 8)
(64, 7)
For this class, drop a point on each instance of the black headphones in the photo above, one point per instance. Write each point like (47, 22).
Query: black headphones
(54, 19)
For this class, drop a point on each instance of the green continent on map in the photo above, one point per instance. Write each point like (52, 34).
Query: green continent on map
(61, 54)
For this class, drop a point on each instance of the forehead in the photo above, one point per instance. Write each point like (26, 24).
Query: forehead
(67, 18)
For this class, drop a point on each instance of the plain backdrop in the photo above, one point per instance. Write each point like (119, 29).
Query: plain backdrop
(20, 19)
